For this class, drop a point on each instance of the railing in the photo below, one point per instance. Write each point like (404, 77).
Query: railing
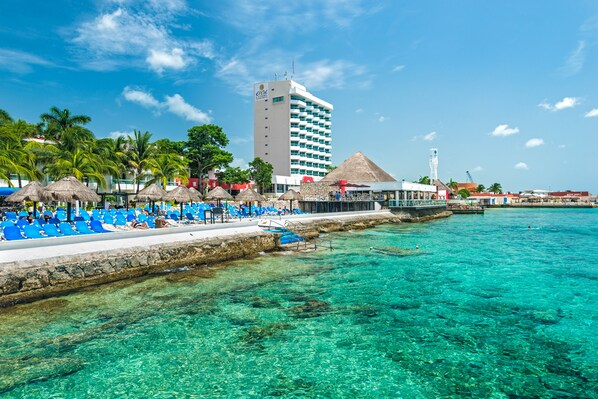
(412, 203)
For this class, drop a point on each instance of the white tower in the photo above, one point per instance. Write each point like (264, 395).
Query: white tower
(433, 165)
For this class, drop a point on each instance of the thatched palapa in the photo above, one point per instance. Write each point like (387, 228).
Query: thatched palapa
(70, 189)
(250, 195)
(153, 192)
(291, 195)
(358, 168)
(33, 191)
(218, 193)
(195, 195)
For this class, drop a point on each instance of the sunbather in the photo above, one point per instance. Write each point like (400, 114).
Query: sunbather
(139, 225)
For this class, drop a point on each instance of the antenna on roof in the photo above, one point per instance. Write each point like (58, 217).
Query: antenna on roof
(293, 66)
(285, 75)
(275, 76)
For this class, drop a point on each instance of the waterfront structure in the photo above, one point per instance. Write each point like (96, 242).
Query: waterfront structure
(433, 165)
(291, 131)
(359, 184)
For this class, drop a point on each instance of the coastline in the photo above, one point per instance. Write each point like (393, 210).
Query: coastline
(35, 270)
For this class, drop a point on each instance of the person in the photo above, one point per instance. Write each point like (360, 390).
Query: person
(139, 225)
(417, 247)
(371, 248)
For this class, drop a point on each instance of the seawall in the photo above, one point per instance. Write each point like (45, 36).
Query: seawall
(68, 266)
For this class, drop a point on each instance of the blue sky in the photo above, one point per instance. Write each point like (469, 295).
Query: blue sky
(506, 89)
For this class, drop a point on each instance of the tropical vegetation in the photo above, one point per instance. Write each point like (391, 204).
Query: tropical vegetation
(60, 145)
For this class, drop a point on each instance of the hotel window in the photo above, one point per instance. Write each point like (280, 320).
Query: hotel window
(294, 171)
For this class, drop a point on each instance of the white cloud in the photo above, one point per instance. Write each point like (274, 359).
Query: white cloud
(591, 114)
(504, 130)
(239, 163)
(237, 140)
(327, 74)
(567, 102)
(359, 110)
(175, 104)
(477, 169)
(521, 166)
(531, 143)
(382, 119)
(160, 60)
(117, 134)
(398, 68)
(140, 97)
(137, 32)
(178, 106)
(575, 61)
(20, 62)
(562, 146)
(430, 136)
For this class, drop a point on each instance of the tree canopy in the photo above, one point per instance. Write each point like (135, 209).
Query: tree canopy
(205, 149)
(261, 173)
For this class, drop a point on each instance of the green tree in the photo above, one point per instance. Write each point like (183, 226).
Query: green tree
(114, 151)
(464, 193)
(495, 188)
(141, 150)
(234, 175)
(480, 188)
(205, 150)
(5, 117)
(79, 163)
(165, 167)
(424, 180)
(57, 121)
(166, 146)
(16, 156)
(261, 173)
(453, 185)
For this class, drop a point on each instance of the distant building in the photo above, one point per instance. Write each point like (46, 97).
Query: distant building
(291, 131)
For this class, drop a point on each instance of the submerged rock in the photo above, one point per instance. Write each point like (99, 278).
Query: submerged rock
(256, 334)
(311, 308)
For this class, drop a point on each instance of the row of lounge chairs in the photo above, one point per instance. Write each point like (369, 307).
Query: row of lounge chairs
(24, 231)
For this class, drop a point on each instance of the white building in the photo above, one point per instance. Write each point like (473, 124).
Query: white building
(291, 131)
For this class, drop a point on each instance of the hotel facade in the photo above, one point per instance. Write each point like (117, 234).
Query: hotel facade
(292, 132)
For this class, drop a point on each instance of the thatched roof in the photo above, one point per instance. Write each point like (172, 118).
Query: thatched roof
(250, 195)
(218, 193)
(195, 194)
(358, 168)
(179, 194)
(438, 183)
(70, 189)
(290, 195)
(153, 192)
(33, 191)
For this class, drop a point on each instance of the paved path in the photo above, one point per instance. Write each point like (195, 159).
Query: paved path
(76, 245)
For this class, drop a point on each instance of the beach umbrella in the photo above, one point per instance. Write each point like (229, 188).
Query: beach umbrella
(69, 189)
(218, 193)
(151, 194)
(290, 195)
(250, 195)
(180, 194)
(33, 191)
(195, 195)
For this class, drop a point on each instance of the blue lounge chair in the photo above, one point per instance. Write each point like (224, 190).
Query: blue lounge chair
(23, 214)
(22, 223)
(11, 216)
(96, 226)
(54, 221)
(51, 230)
(32, 231)
(131, 217)
(120, 220)
(7, 223)
(67, 229)
(12, 233)
(83, 228)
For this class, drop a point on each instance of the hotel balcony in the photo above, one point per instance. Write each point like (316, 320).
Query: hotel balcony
(298, 102)
(295, 111)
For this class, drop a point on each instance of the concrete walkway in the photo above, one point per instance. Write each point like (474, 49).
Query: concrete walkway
(32, 249)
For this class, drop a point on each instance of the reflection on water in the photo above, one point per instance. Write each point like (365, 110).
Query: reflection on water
(486, 308)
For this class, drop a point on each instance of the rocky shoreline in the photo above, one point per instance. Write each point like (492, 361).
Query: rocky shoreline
(51, 276)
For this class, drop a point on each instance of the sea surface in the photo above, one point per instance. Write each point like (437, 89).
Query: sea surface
(501, 305)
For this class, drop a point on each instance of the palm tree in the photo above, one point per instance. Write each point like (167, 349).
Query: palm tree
(464, 193)
(165, 167)
(424, 180)
(58, 121)
(495, 188)
(5, 117)
(114, 150)
(79, 163)
(15, 156)
(453, 184)
(480, 188)
(141, 150)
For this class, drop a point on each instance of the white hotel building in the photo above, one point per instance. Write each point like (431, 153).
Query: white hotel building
(291, 131)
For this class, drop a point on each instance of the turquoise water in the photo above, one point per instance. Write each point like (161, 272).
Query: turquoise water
(486, 308)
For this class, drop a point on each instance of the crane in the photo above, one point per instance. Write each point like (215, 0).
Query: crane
(469, 178)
